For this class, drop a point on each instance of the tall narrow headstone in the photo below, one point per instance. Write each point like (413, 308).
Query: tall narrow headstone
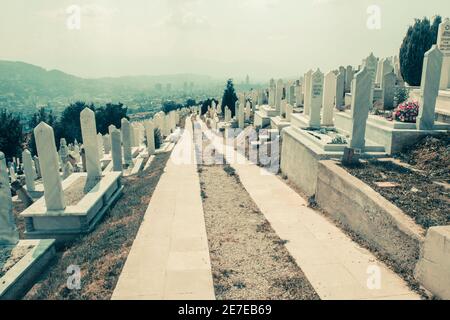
(307, 95)
(8, 231)
(248, 110)
(63, 151)
(316, 95)
(241, 115)
(340, 89)
(149, 132)
(116, 150)
(298, 95)
(30, 172)
(100, 146)
(386, 67)
(429, 86)
(349, 73)
(90, 143)
(388, 87)
(443, 42)
(361, 88)
(329, 98)
(49, 162)
(107, 143)
(126, 141)
(272, 91)
(279, 94)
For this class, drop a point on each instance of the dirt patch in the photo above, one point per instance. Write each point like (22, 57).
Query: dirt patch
(416, 194)
(102, 253)
(249, 260)
(78, 189)
(10, 255)
(432, 155)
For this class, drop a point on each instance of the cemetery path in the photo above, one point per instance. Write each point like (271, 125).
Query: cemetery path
(169, 258)
(336, 267)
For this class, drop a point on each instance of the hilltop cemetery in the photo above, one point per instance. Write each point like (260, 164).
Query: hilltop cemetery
(322, 187)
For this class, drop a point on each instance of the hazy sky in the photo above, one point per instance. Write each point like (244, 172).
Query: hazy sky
(221, 38)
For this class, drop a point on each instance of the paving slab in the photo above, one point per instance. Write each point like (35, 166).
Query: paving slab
(337, 267)
(170, 258)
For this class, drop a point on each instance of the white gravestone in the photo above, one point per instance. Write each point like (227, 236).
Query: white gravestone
(298, 95)
(361, 88)
(49, 162)
(90, 143)
(329, 98)
(149, 132)
(349, 73)
(100, 146)
(107, 143)
(126, 141)
(279, 94)
(272, 93)
(443, 42)
(8, 231)
(116, 150)
(340, 89)
(429, 86)
(371, 65)
(241, 115)
(307, 95)
(316, 96)
(30, 172)
(388, 87)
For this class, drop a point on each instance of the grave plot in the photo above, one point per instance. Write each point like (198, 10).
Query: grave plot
(75, 205)
(248, 259)
(21, 261)
(397, 131)
(101, 254)
(311, 136)
(423, 199)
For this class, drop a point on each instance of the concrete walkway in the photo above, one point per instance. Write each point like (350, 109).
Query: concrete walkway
(336, 267)
(169, 258)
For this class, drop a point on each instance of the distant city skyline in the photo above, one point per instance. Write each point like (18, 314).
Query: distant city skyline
(221, 39)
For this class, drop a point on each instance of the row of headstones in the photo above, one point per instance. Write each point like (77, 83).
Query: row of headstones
(50, 160)
(118, 142)
(327, 91)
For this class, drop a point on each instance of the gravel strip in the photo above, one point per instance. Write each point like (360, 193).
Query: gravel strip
(249, 260)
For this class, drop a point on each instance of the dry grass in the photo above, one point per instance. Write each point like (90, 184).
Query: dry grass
(102, 253)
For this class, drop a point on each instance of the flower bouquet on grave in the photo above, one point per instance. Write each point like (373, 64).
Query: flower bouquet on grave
(407, 112)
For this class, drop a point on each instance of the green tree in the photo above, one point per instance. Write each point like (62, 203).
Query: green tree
(111, 114)
(11, 134)
(170, 106)
(190, 103)
(229, 98)
(206, 104)
(42, 115)
(69, 126)
(418, 40)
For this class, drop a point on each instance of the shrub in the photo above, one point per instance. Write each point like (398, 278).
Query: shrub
(401, 94)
